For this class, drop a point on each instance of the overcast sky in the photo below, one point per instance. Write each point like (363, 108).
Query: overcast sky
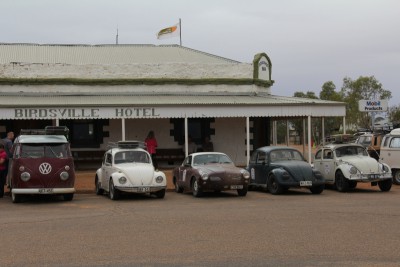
(309, 42)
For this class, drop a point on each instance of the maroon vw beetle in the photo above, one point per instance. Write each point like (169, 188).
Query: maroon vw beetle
(42, 164)
(210, 171)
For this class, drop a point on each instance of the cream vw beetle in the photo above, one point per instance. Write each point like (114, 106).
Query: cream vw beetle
(127, 167)
(343, 165)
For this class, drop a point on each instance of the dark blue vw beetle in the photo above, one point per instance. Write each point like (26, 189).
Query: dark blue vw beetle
(278, 168)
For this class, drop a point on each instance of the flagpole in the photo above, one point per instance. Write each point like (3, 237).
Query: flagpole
(180, 31)
(116, 37)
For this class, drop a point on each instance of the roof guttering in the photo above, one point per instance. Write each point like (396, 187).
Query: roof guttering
(139, 81)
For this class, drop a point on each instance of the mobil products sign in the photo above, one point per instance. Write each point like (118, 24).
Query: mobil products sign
(373, 105)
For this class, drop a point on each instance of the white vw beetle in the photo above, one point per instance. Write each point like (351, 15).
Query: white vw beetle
(343, 165)
(127, 167)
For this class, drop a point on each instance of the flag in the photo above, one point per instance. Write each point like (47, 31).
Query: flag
(169, 32)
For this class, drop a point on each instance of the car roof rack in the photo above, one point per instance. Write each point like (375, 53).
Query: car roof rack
(127, 144)
(48, 130)
(377, 129)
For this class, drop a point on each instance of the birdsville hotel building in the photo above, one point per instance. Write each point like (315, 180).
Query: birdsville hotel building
(106, 93)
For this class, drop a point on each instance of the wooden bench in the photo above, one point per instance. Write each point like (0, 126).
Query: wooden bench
(170, 155)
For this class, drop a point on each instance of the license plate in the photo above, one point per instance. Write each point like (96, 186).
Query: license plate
(305, 183)
(45, 190)
(374, 176)
(236, 186)
(144, 189)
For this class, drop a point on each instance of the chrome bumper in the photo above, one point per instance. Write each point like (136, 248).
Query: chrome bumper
(42, 191)
(140, 189)
(370, 177)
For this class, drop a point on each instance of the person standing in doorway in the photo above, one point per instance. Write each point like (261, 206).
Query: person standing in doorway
(8, 142)
(151, 145)
(208, 146)
(3, 169)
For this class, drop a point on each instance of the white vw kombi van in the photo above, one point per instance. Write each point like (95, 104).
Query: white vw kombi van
(390, 153)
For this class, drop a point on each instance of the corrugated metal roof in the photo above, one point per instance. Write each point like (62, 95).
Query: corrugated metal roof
(167, 100)
(104, 54)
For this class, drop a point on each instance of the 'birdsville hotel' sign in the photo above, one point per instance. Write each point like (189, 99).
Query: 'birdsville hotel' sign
(372, 105)
(80, 113)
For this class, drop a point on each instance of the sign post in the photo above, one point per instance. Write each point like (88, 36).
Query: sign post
(373, 106)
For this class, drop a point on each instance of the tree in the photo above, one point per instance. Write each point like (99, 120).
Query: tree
(394, 115)
(328, 93)
(364, 88)
(298, 124)
(309, 94)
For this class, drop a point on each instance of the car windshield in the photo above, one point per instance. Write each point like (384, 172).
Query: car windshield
(211, 158)
(131, 156)
(43, 151)
(285, 155)
(350, 151)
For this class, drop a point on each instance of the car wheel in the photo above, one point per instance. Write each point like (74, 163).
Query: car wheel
(196, 190)
(385, 185)
(352, 184)
(317, 189)
(273, 186)
(396, 177)
(342, 184)
(15, 197)
(114, 193)
(99, 190)
(178, 189)
(160, 194)
(242, 192)
(68, 197)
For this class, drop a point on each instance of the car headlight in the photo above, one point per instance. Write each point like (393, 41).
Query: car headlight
(245, 174)
(64, 176)
(203, 174)
(384, 168)
(353, 170)
(159, 179)
(122, 180)
(25, 176)
(285, 175)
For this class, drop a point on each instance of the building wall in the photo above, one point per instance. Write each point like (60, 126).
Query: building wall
(230, 138)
